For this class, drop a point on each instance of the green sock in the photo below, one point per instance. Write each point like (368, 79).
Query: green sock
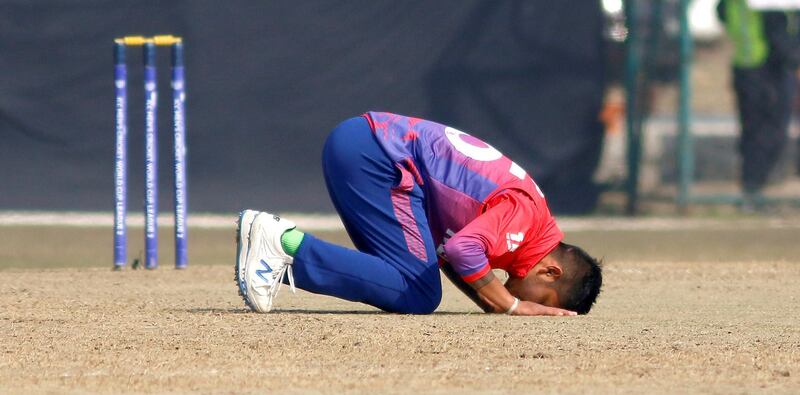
(290, 241)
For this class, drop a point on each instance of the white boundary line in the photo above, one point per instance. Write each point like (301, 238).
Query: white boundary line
(331, 222)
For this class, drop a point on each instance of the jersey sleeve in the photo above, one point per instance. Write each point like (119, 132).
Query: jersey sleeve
(468, 251)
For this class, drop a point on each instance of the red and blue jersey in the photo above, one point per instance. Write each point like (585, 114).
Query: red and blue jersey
(484, 210)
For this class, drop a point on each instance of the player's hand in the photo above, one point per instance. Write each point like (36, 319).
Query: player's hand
(530, 308)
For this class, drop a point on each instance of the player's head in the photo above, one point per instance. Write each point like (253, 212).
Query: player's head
(567, 277)
(580, 280)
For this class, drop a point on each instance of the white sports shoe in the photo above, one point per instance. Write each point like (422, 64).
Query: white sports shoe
(261, 263)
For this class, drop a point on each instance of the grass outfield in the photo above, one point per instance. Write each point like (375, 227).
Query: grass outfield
(692, 309)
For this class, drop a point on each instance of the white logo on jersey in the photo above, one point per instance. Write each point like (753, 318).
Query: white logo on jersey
(513, 240)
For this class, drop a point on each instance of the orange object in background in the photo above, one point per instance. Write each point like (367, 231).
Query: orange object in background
(613, 116)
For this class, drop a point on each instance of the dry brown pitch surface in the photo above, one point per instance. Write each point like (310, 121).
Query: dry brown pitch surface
(687, 311)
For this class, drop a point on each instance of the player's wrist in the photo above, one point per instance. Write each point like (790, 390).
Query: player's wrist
(513, 306)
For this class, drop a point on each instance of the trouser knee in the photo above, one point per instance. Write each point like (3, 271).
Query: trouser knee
(420, 304)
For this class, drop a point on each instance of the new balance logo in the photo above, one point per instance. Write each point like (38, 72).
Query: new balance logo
(261, 273)
(513, 240)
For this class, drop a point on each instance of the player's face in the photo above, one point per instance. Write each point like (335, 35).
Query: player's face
(530, 290)
(543, 295)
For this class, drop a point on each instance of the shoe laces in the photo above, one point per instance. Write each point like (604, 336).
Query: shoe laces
(285, 270)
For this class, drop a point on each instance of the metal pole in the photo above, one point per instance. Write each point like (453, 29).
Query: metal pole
(632, 72)
(685, 144)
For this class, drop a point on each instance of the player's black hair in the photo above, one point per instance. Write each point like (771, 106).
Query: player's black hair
(586, 275)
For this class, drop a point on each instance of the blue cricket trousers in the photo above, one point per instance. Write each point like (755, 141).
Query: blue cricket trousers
(383, 272)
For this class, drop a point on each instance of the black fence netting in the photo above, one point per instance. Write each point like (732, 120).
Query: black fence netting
(266, 81)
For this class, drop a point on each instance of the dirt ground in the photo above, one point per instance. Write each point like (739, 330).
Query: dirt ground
(683, 311)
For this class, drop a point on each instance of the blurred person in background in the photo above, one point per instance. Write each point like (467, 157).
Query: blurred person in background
(765, 63)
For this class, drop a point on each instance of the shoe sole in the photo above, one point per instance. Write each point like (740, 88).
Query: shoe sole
(245, 222)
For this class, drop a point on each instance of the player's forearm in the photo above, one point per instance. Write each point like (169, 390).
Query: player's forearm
(467, 289)
(497, 296)
(468, 262)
